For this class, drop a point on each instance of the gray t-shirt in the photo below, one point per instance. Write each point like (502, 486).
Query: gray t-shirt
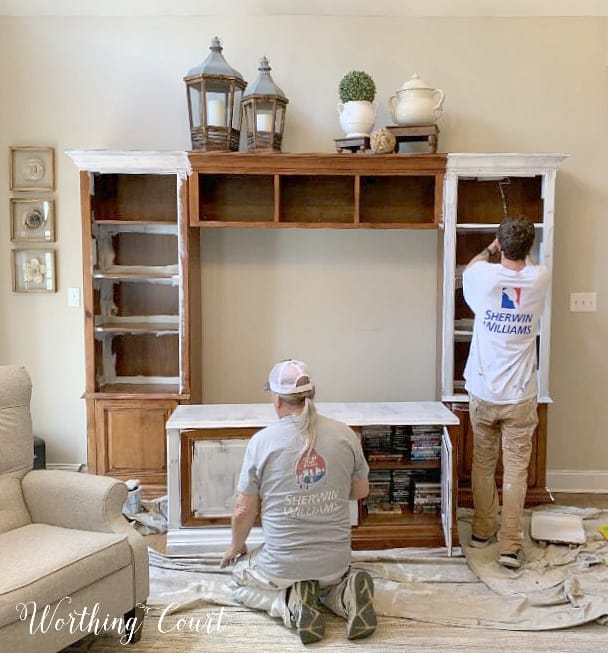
(305, 511)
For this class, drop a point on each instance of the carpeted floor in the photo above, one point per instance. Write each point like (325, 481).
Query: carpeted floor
(211, 629)
(244, 631)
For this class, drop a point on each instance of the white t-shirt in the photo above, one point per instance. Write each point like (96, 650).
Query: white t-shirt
(508, 304)
(305, 511)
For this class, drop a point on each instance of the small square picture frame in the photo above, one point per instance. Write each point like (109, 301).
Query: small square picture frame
(33, 270)
(32, 219)
(31, 168)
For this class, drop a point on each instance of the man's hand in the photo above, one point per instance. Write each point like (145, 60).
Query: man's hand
(486, 252)
(494, 246)
(232, 554)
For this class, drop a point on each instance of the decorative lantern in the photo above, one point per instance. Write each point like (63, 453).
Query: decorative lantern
(214, 96)
(264, 105)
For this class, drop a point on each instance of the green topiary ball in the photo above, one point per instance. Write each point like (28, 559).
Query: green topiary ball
(357, 85)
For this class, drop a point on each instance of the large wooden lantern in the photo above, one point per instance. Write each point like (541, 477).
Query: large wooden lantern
(214, 97)
(264, 106)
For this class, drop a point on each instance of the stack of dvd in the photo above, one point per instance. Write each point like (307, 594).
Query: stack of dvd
(377, 443)
(401, 440)
(425, 443)
(401, 493)
(379, 490)
(427, 497)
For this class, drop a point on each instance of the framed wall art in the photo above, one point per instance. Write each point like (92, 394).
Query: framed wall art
(32, 220)
(31, 168)
(33, 270)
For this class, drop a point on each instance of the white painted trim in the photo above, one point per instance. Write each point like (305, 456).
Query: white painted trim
(131, 161)
(194, 541)
(450, 202)
(502, 164)
(572, 480)
(67, 467)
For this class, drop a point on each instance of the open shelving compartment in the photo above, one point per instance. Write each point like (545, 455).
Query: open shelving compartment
(482, 205)
(311, 191)
(135, 284)
(479, 191)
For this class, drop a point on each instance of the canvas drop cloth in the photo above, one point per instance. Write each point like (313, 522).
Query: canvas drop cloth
(559, 586)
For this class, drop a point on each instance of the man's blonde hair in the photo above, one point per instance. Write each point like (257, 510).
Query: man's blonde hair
(306, 421)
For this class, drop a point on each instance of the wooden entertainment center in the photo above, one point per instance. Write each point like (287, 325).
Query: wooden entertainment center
(142, 216)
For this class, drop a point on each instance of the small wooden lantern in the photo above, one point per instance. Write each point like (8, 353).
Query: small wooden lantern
(214, 95)
(264, 106)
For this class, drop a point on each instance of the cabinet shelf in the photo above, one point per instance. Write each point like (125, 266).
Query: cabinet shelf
(475, 226)
(135, 224)
(408, 518)
(136, 391)
(117, 327)
(138, 273)
(393, 464)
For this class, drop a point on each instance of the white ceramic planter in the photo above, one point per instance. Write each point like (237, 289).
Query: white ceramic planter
(357, 117)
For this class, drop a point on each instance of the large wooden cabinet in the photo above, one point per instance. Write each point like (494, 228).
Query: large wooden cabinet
(138, 299)
(479, 191)
(143, 213)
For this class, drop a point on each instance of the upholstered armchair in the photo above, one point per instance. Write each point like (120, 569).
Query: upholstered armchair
(65, 548)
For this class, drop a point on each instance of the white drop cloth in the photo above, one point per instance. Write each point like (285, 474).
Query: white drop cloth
(558, 587)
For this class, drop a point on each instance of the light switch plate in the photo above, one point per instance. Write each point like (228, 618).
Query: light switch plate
(583, 302)
(74, 297)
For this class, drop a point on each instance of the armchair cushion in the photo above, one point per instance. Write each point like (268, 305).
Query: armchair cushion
(13, 512)
(86, 502)
(46, 563)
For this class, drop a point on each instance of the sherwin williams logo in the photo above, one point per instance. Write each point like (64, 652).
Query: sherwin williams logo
(310, 470)
(511, 298)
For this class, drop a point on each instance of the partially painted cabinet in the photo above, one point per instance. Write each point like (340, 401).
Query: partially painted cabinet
(206, 445)
(143, 213)
(479, 191)
(138, 297)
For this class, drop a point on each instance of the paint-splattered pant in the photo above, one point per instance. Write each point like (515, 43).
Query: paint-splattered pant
(512, 426)
(256, 589)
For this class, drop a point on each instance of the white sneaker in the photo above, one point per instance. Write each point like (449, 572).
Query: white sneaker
(306, 618)
(358, 599)
(511, 560)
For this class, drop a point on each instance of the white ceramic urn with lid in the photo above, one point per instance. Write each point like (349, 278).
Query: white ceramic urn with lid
(416, 103)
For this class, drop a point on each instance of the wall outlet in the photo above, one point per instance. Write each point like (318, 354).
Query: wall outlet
(583, 302)
(74, 297)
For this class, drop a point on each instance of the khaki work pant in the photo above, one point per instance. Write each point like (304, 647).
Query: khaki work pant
(512, 426)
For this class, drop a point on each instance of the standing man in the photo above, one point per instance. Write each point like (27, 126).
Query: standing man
(303, 470)
(507, 299)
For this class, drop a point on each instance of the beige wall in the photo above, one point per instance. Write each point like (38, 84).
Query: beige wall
(366, 316)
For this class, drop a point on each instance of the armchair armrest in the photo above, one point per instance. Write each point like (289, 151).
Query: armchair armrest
(74, 500)
(89, 503)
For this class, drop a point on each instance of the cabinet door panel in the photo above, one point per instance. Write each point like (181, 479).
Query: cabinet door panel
(131, 436)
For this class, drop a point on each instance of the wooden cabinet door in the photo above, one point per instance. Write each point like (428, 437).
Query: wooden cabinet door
(130, 441)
